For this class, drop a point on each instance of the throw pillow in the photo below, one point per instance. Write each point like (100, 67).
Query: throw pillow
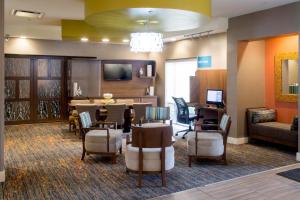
(261, 116)
(294, 126)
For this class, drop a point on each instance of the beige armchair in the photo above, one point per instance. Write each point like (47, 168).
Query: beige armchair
(207, 144)
(103, 141)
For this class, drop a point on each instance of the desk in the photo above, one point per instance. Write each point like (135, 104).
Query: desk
(212, 113)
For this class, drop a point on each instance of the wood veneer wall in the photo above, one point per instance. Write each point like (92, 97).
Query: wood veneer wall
(210, 79)
(131, 88)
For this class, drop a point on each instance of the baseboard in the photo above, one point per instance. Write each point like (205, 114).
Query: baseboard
(2, 176)
(232, 140)
(298, 156)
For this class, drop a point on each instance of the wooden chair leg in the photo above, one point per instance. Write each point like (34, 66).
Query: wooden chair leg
(224, 160)
(83, 154)
(69, 127)
(114, 159)
(140, 179)
(190, 161)
(163, 179)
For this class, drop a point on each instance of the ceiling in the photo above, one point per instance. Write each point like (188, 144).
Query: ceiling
(49, 27)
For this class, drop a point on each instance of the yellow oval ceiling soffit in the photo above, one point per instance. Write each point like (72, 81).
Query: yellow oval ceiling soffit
(95, 6)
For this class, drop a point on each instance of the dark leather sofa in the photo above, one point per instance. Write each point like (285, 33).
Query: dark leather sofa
(274, 132)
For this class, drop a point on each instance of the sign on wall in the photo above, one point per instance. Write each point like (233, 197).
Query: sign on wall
(204, 61)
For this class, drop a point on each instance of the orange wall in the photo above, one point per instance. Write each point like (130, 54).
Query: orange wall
(274, 46)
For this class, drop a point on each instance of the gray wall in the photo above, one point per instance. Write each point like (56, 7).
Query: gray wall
(251, 78)
(1, 85)
(268, 23)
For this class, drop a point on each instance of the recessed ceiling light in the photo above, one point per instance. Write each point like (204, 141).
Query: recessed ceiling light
(125, 40)
(23, 37)
(105, 40)
(141, 21)
(27, 13)
(154, 22)
(84, 39)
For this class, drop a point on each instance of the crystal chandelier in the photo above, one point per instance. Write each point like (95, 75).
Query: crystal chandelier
(146, 42)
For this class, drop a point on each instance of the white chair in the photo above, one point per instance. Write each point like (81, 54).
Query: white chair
(207, 144)
(103, 141)
(151, 151)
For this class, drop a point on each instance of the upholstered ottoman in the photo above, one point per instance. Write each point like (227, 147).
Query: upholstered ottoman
(209, 144)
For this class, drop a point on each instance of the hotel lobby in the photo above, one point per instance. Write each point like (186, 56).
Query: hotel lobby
(149, 99)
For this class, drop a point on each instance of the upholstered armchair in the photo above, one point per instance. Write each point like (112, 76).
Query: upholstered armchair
(208, 144)
(151, 151)
(103, 141)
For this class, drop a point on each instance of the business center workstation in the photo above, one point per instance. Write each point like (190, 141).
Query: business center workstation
(212, 112)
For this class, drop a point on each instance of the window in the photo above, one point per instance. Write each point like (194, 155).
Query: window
(177, 81)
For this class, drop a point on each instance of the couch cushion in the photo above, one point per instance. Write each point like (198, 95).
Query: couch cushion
(277, 125)
(261, 116)
(279, 132)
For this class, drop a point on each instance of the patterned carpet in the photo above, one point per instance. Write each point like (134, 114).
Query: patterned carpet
(43, 162)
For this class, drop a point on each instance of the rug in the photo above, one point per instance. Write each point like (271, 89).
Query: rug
(293, 174)
(43, 162)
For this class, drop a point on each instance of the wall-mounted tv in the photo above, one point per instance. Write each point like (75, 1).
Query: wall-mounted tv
(117, 72)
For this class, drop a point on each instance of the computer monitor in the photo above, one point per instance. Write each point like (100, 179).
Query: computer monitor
(214, 97)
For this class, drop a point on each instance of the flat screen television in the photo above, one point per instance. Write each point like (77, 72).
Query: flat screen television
(214, 97)
(117, 72)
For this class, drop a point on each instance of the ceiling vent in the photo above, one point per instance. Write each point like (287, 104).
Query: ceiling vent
(27, 13)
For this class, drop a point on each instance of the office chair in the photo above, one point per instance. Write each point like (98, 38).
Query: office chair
(183, 115)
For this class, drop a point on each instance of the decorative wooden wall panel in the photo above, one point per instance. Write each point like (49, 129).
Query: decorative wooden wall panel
(135, 87)
(211, 79)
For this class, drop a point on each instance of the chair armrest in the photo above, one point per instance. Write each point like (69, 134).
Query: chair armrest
(115, 124)
(95, 128)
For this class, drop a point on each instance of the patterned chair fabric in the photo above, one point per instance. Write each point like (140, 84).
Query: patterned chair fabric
(85, 119)
(157, 113)
(224, 122)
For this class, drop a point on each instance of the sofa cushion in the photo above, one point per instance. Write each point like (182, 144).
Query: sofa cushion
(279, 132)
(261, 116)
